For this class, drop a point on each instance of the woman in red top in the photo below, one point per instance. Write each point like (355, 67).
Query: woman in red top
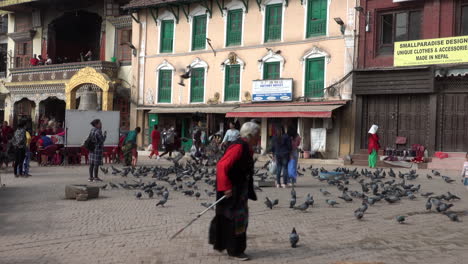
(373, 146)
(155, 139)
(234, 180)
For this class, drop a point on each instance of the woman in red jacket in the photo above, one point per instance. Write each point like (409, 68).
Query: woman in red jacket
(234, 179)
(373, 146)
(155, 139)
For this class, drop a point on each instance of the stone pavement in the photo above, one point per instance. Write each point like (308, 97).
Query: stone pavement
(38, 226)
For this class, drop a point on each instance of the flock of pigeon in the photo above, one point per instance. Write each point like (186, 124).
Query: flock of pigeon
(377, 186)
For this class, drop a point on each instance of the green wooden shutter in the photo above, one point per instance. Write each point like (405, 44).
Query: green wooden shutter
(234, 27)
(199, 32)
(314, 81)
(164, 86)
(197, 85)
(232, 83)
(167, 35)
(316, 18)
(271, 70)
(273, 19)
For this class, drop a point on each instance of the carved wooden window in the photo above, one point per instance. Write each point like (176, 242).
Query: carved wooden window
(124, 40)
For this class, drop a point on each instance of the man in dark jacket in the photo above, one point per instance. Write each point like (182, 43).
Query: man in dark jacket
(281, 149)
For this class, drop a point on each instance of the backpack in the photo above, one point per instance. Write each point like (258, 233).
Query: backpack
(19, 139)
(89, 143)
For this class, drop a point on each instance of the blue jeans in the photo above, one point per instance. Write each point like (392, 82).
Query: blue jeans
(282, 165)
(27, 158)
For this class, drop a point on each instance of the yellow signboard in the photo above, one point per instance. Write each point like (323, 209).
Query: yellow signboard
(431, 51)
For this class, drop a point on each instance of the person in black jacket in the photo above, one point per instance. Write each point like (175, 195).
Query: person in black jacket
(281, 149)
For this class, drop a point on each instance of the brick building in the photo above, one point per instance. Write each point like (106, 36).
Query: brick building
(427, 103)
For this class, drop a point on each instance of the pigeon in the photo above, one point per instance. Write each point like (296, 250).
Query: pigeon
(358, 214)
(138, 195)
(452, 196)
(112, 185)
(209, 193)
(443, 207)
(429, 177)
(447, 179)
(400, 219)
(392, 199)
(345, 197)
(292, 202)
(331, 203)
(150, 193)
(452, 216)
(275, 202)
(427, 194)
(293, 193)
(197, 195)
(293, 238)
(161, 202)
(104, 186)
(303, 207)
(104, 170)
(436, 173)
(428, 204)
(268, 203)
(325, 192)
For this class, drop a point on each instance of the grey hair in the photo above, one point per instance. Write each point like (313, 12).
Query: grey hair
(249, 130)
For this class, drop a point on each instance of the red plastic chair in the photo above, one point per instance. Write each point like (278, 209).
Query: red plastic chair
(48, 154)
(108, 154)
(84, 153)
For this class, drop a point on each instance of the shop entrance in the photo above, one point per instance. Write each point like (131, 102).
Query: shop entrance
(396, 115)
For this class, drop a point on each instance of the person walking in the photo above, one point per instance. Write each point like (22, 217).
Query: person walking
(464, 173)
(130, 148)
(281, 149)
(231, 135)
(234, 179)
(27, 157)
(373, 146)
(169, 142)
(95, 156)
(19, 145)
(155, 139)
(294, 157)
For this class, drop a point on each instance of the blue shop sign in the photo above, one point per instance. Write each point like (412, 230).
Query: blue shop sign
(272, 90)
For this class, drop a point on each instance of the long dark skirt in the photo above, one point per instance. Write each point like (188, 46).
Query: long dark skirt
(228, 229)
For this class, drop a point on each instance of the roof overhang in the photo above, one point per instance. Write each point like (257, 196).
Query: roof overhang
(221, 109)
(289, 110)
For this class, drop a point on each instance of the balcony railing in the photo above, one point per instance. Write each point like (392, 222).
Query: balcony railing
(60, 71)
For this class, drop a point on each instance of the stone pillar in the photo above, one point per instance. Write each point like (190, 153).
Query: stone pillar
(264, 135)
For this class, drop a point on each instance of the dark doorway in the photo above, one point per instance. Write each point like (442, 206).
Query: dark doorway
(74, 33)
(453, 123)
(53, 109)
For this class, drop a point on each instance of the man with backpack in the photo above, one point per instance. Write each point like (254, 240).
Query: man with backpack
(19, 144)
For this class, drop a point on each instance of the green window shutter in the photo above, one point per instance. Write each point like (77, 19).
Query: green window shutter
(164, 86)
(271, 70)
(232, 83)
(234, 27)
(167, 35)
(314, 77)
(199, 32)
(316, 18)
(197, 85)
(273, 19)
